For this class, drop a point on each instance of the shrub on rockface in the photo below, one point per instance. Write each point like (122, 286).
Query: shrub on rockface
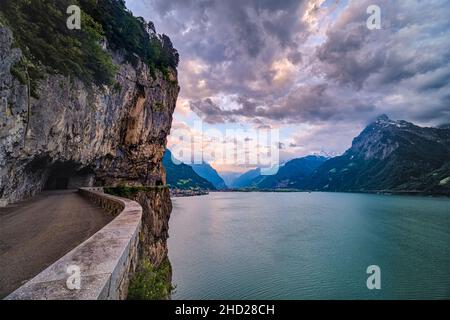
(149, 283)
(134, 35)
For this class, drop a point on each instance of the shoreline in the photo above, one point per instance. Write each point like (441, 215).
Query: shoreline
(179, 193)
(379, 192)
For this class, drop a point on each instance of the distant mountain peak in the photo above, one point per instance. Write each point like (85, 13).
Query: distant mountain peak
(385, 120)
(382, 117)
(383, 136)
(326, 154)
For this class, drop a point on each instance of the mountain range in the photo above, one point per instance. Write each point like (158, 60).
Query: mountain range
(247, 179)
(291, 174)
(387, 156)
(207, 172)
(182, 176)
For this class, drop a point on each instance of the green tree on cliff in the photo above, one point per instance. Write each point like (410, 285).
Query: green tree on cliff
(40, 31)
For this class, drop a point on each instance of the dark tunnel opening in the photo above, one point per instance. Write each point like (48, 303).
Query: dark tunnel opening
(67, 175)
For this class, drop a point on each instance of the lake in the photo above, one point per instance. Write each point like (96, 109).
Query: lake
(255, 245)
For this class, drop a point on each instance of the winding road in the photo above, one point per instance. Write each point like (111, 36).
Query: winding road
(37, 232)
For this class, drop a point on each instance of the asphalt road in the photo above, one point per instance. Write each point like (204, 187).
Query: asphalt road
(37, 232)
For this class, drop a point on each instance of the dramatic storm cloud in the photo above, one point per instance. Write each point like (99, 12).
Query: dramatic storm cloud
(307, 65)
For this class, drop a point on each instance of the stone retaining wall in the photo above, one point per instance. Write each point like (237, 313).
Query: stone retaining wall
(103, 262)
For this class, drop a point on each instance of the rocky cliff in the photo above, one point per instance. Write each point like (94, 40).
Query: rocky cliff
(87, 107)
(156, 207)
(74, 135)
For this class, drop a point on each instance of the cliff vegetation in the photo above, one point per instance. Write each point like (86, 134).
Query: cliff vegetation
(150, 283)
(47, 44)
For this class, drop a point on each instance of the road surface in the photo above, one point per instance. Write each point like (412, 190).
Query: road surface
(37, 232)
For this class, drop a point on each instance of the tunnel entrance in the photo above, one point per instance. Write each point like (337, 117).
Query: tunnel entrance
(61, 183)
(67, 175)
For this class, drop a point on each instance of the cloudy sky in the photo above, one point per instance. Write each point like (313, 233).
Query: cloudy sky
(308, 68)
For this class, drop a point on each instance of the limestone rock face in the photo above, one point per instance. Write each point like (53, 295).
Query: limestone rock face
(156, 209)
(74, 135)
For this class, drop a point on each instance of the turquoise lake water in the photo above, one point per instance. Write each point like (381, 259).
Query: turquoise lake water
(309, 246)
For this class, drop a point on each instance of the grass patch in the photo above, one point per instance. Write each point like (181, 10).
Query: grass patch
(128, 191)
(149, 283)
